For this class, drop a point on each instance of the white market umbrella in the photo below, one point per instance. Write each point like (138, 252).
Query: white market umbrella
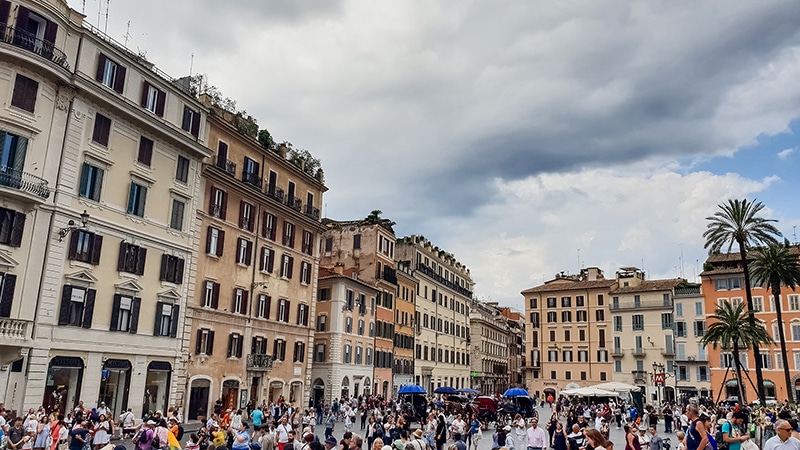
(616, 386)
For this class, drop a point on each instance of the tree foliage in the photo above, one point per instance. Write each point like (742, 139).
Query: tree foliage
(304, 159)
(265, 139)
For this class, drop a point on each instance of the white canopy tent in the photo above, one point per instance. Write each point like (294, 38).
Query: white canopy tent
(616, 386)
(590, 391)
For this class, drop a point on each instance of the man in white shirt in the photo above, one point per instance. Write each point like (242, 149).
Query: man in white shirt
(783, 440)
(536, 437)
(102, 409)
(282, 432)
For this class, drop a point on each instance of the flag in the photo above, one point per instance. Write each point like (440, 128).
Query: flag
(173, 441)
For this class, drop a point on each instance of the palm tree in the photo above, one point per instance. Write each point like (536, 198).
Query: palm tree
(732, 329)
(773, 266)
(737, 222)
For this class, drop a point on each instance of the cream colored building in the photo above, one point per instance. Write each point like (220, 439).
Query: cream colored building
(403, 371)
(692, 376)
(642, 318)
(516, 346)
(120, 140)
(344, 343)
(249, 332)
(489, 348)
(568, 334)
(443, 298)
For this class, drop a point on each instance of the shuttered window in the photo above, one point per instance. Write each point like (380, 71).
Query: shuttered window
(102, 129)
(25, 92)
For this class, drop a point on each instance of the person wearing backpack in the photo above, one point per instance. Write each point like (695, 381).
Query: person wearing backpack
(730, 435)
(144, 439)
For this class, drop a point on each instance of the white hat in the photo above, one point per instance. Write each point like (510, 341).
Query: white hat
(507, 428)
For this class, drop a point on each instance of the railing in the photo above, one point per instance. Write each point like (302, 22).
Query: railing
(227, 165)
(639, 351)
(23, 181)
(257, 361)
(643, 304)
(13, 329)
(252, 179)
(28, 41)
(441, 280)
(276, 193)
(691, 291)
(312, 212)
(639, 375)
(294, 203)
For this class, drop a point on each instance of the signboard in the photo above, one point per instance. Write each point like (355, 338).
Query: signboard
(474, 374)
(658, 379)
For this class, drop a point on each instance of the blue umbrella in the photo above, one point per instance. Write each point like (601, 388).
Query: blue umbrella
(516, 392)
(468, 391)
(444, 390)
(411, 389)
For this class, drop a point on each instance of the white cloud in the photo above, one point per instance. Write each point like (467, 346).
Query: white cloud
(785, 154)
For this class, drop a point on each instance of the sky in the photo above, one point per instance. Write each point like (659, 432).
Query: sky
(526, 138)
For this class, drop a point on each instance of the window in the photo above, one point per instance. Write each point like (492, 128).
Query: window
(683, 373)
(262, 307)
(279, 349)
(176, 216)
(579, 301)
(638, 340)
(601, 338)
(153, 99)
(766, 360)
(580, 316)
(131, 258)
(566, 316)
(678, 309)
(614, 302)
(191, 121)
(372, 329)
(125, 314)
(267, 260)
(666, 321)
(582, 335)
(211, 295)
(356, 242)
(250, 171)
(287, 262)
(171, 269)
(77, 306)
(239, 301)
(268, 226)
(166, 320)
(235, 342)
(617, 323)
(283, 310)
(25, 92)
(702, 373)
(535, 320)
(246, 216)
(795, 331)
(322, 323)
(136, 199)
(566, 335)
(680, 329)
(308, 243)
(699, 328)
(145, 155)
(637, 301)
(552, 356)
(305, 272)
(91, 182)
(288, 234)
(110, 73)
(302, 314)
(600, 315)
(680, 351)
(299, 351)
(324, 294)
(698, 309)
(617, 366)
(215, 241)
(638, 321)
(182, 169)
(794, 302)
(583, 355)
(551, 302)
(258, 345)
(102, 129)
(204, 343)
(566, 302)
(328, 244)
(218, 203)
(602, 356)
(758, 304)
(244, 251)
(551, 317)
(12, 226)
(319, 353)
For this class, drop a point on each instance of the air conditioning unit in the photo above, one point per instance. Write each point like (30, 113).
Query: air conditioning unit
(690, 358)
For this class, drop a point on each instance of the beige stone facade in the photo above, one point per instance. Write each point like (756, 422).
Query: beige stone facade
(568, 334)
(692, 376)
(642, 319)
(444, 293)
(403, 372)
(489, 348)
(515, 324)
(249, 330)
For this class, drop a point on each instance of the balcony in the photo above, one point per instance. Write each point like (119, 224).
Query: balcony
(646, 304)
(294, 203)
(441, 280)
(275, 193)
(617, 353)
(259, 362)
(13, 331)
(639, 376)
(28, 41)
(22, 181)
(227, 166)
(312, 212)
(689, 291)
(668, 352)
(252, 179)
(638, 351)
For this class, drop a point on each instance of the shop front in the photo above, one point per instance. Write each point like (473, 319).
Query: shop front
(115, 384)
(156, 388)
(230, 394)
(63, 385)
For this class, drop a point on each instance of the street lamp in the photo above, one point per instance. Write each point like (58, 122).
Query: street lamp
(658, 380)
(71, 226)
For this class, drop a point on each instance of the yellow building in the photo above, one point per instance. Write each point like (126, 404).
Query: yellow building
(249, 330)
(568, 334)
(644, 343)
(444, 293)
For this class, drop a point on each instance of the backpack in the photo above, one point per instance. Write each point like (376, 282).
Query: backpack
(180, 432)
(378, 434)
(721, 444)
(142, 438)
(156, 443)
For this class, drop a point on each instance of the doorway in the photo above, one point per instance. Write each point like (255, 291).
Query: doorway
(199, 394)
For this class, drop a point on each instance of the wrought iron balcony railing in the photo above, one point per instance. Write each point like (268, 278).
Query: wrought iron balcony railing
(23, 181)
(252, 179)
(276, 193)
(312, 212)
(28, 41)
(257, 361)
(227, 165)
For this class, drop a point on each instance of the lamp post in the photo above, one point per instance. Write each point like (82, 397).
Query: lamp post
(658, 380)
(71, 226)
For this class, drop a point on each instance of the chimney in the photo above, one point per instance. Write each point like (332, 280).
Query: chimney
(338, 268)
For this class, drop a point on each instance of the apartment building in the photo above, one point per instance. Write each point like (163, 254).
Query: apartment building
(489, 348)
(644, 343)
(344, 341)
(568, 333)
(441, 317)
(723, 281)
(691, 372)
(403, 372)
(368, 247)
(515, 324)
(249, 331)
(119, 144)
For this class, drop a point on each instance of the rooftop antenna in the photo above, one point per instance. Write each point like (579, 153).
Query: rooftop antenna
(83, 10)
(794, 233)
(127, 34)
(191, 65)
(99, 11)
(683, 273)
(579, 260)
(108, 6)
